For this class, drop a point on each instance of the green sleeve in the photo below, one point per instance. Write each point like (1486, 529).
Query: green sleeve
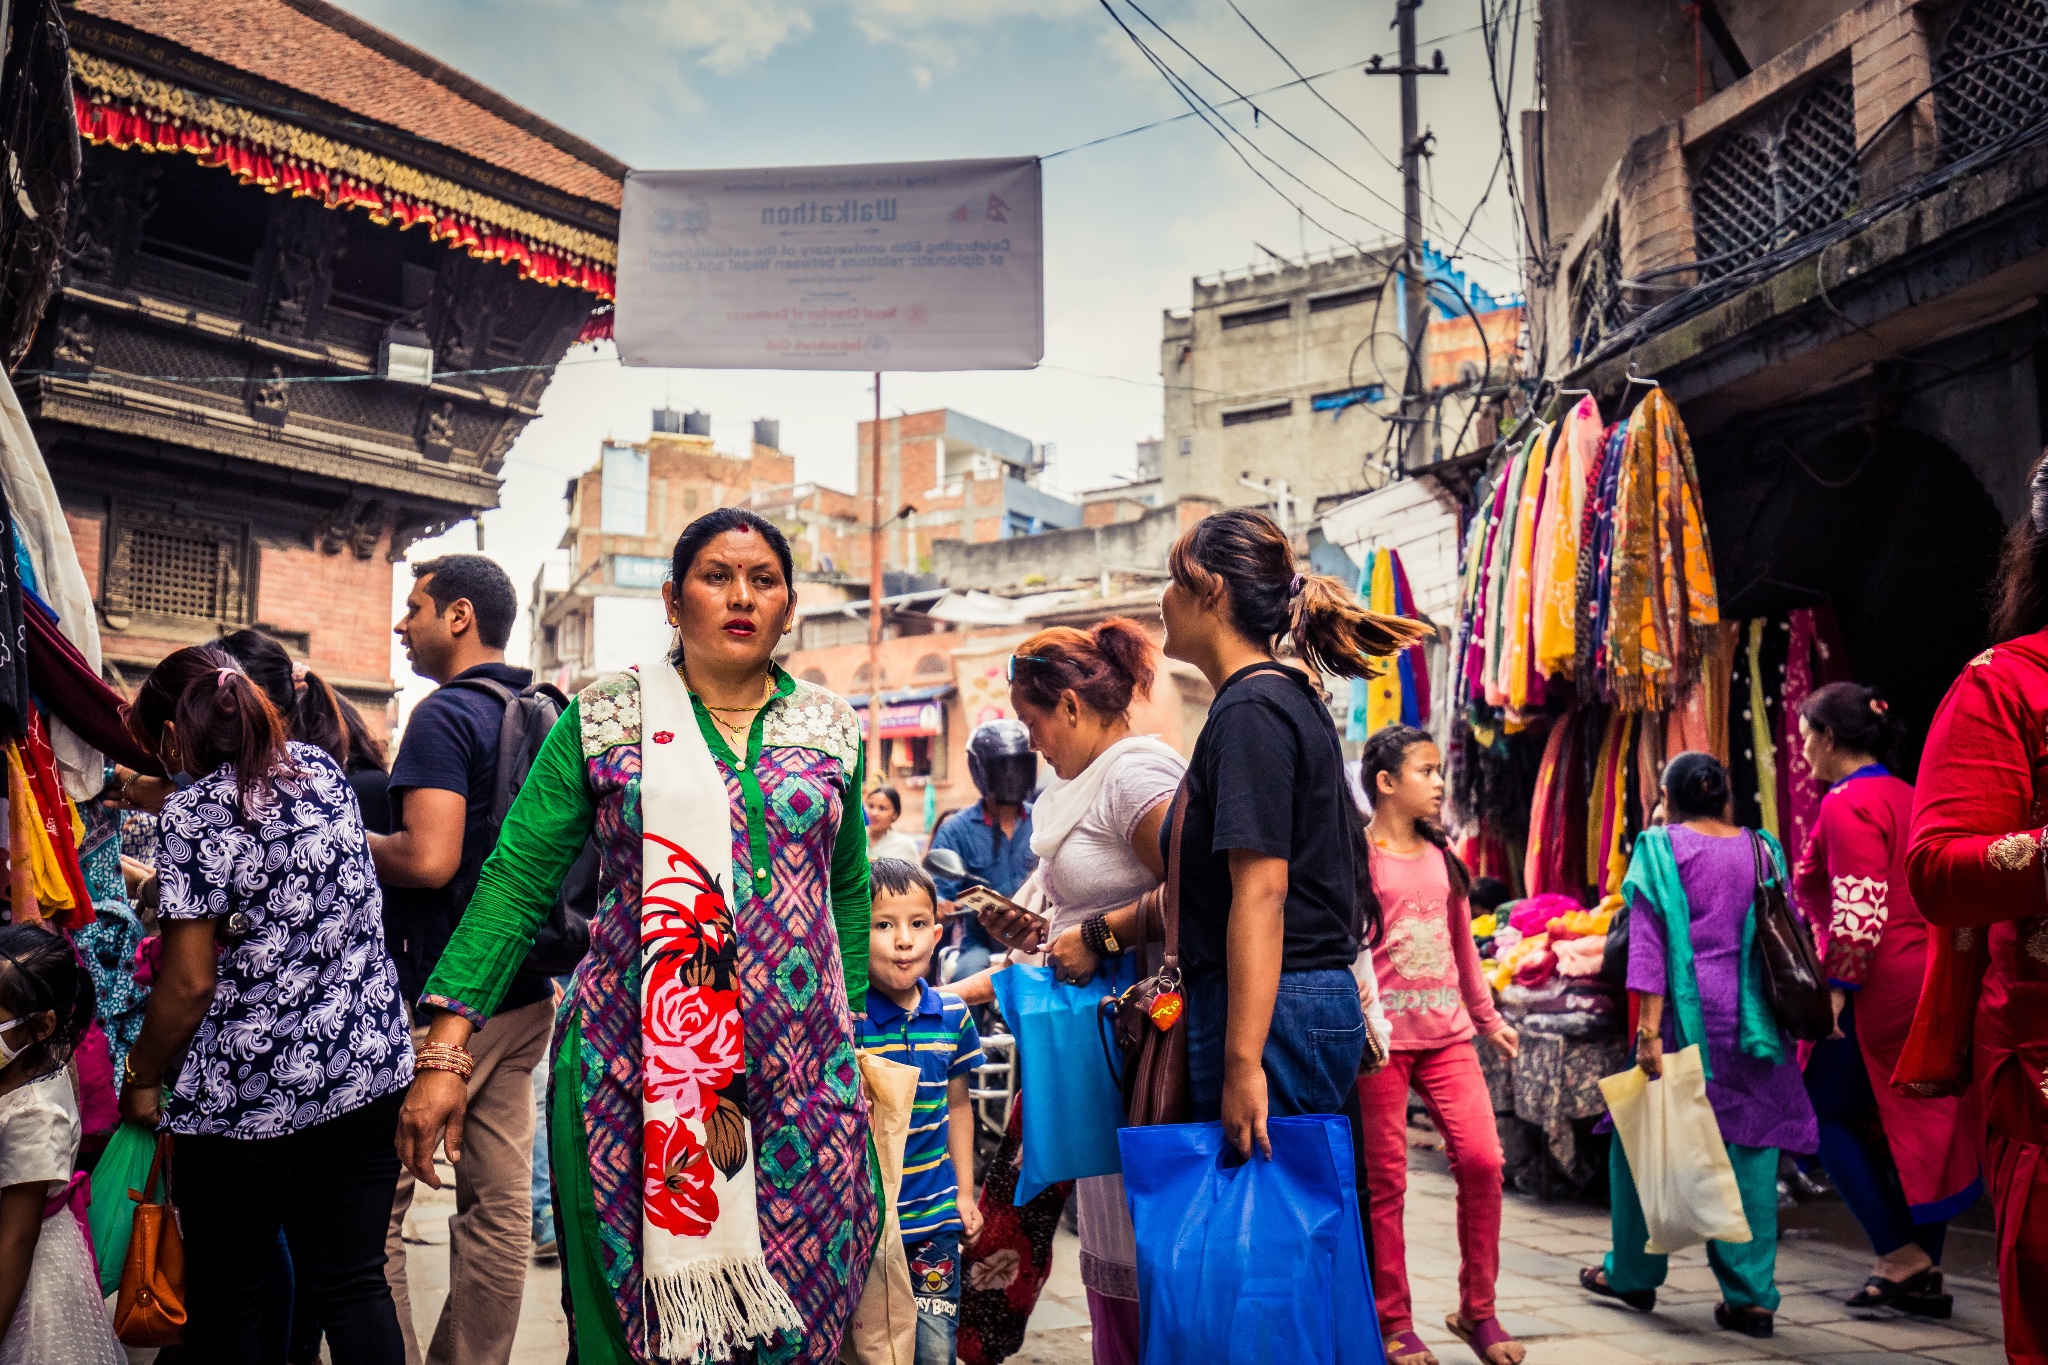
(851, 903)
(543, 832)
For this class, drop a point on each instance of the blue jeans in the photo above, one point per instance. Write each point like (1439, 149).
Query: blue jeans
(935, 1280)
(1312, 1047)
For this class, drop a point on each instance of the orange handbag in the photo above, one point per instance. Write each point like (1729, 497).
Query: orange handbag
(151, 1308)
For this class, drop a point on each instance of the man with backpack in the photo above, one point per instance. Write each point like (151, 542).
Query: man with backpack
(465, 749)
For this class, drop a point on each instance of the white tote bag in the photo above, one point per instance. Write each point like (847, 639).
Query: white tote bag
(1674, 1149)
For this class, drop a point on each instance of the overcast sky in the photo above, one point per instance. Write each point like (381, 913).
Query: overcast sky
(1128, 223)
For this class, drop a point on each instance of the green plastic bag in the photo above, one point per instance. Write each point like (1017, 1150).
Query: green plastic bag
(122, 1167)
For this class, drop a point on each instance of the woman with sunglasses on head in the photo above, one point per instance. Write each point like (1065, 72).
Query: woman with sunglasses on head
(274, 1044)
(1097, 838)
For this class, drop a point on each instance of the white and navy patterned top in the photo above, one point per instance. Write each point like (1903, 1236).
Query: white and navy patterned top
(305, 1023)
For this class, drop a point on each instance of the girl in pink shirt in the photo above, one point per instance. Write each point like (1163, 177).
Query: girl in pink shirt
(1427, 967)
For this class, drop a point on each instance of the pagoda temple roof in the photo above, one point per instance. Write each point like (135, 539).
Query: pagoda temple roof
(356, 68)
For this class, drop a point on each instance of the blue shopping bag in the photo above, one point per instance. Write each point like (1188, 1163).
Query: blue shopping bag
(1258, 1261)
(1072, 1107)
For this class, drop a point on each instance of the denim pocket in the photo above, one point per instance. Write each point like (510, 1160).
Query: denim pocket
(1335, 1054)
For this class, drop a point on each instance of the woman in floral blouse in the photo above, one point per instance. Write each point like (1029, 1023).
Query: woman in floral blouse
(274, 1044)
(630, 1181)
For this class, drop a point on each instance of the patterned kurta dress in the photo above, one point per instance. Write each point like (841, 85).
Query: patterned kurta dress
(802, 934)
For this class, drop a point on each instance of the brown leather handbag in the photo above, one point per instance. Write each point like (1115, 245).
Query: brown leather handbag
(1795, 984)
(151, 1308)
(1149, 1021)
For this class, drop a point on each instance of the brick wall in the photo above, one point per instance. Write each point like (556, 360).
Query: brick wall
(1892, 61)
(85, 538)
(342, 603)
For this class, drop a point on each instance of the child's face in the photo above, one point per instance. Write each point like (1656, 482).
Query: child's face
(1418, 789)
(906, 929)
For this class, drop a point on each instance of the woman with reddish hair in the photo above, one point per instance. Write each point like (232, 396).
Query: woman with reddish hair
(1975, 866)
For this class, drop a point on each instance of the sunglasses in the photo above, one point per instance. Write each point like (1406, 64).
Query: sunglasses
(1010, 667)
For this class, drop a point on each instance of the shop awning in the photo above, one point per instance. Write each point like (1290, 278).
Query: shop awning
(908, 713)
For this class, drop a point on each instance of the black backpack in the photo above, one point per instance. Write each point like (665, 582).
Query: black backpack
(565, 934)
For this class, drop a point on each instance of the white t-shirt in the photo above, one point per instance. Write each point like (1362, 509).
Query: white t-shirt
(894, 844)
(61, 1316)
(38, 1132)
(1094, 869)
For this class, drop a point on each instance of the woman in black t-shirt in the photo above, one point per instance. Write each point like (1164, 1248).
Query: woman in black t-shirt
(1271, 847)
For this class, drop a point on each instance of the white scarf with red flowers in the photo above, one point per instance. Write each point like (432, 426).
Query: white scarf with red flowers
(704, 1275)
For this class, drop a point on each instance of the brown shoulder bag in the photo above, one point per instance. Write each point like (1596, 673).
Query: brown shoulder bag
(151, 1308)
(1149, 1021)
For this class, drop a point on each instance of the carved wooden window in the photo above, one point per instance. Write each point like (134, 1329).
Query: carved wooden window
(202, 218)
(1993, 73)
(177, 566)
(1780, 174)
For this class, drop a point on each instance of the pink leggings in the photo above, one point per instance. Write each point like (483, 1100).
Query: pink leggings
(1455, 1091)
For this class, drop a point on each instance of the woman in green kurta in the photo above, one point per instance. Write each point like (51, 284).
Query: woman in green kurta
(789, 756)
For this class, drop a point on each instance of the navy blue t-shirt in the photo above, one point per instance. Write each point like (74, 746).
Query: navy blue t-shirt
(450, 744)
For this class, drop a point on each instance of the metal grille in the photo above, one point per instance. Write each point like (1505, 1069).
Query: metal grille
(171, 574)
(1598, 307)
(1979, 101)
(1786, 172)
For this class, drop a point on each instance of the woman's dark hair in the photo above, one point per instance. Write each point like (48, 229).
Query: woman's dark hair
(313, 712)
(2019, 596)
(889, 794)
(1387, 752)
(1695, 788)
(714, 524)
(1247, 554)
(1487, 894)
(365, 750)
(1104, 666)
(40, 971)
(1855, 717)
(221, 714)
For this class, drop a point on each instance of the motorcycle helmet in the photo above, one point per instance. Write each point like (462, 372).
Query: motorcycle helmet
(1000, 761)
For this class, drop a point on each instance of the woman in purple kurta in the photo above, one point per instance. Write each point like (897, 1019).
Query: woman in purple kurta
(1757, 1103)
(1691, 889)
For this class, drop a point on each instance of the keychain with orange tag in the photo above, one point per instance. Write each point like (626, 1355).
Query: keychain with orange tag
(1166, 1008)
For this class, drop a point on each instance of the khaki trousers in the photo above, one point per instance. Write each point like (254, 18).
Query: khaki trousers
(490, 1238)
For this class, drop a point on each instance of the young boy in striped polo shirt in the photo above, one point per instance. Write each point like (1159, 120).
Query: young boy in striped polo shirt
(907, 1021)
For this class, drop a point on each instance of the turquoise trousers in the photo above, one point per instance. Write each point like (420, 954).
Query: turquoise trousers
(1745, 1269)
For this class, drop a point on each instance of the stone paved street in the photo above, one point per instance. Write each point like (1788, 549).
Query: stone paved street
(1540, 1300)
(1544, 1244)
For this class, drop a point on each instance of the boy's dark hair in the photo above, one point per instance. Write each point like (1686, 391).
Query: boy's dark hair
(40, 972)
(900, 878)
(1487, 895)
(487, 587)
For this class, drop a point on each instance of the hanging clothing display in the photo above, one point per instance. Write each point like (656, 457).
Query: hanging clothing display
(1663, 573)
(39, 525)
(1400, 694)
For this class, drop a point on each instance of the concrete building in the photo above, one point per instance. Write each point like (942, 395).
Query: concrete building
(962, 480)
(1823, 238)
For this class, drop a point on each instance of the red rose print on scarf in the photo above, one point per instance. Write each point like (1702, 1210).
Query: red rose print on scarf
(693, 1041)
(679, 1197)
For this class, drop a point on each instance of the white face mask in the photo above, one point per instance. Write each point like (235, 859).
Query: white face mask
(7, 1053)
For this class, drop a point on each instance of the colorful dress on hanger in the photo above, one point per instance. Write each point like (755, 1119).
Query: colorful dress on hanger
(1851, 884)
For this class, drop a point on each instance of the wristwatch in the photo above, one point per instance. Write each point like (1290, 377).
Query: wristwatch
(1096, 935)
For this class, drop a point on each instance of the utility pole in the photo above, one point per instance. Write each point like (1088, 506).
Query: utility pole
(1414, 146)
(875, 773)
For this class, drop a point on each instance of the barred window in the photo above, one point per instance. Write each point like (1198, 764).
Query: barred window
(168, 564)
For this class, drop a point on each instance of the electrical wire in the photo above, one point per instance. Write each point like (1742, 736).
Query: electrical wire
(298, 379)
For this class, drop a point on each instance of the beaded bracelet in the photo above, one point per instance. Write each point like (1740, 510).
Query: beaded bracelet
(444, 1057)
(1097, 938)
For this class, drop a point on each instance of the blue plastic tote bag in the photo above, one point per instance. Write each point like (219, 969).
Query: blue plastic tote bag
(1259, 1261)
(1072, 1105)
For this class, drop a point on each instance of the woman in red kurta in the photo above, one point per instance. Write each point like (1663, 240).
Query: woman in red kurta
(1976, 867)
(1851, 884)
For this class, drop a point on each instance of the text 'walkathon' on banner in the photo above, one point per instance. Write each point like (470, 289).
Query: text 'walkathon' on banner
(935, 265)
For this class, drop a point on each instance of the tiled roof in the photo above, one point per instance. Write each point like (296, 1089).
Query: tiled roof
(332, 56)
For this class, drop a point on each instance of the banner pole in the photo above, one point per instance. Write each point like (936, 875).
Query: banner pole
(876, 776)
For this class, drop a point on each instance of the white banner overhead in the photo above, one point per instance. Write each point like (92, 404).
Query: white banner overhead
(934, 265)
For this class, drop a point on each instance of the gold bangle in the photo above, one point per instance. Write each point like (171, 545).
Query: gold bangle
(444, 1057)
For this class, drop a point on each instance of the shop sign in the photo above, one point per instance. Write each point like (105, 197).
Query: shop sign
(907, 720)
(933, 265)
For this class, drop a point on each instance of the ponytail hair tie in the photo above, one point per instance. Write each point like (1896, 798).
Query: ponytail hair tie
(1879, 706)
(222, 676)
(1294, 586)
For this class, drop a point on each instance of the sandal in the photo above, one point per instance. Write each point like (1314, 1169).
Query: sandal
(1482, 1336)
(1879, 1292)
(1593, 1279)
(1929, 1300)
(1751, 1322)
(1406, 1348)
